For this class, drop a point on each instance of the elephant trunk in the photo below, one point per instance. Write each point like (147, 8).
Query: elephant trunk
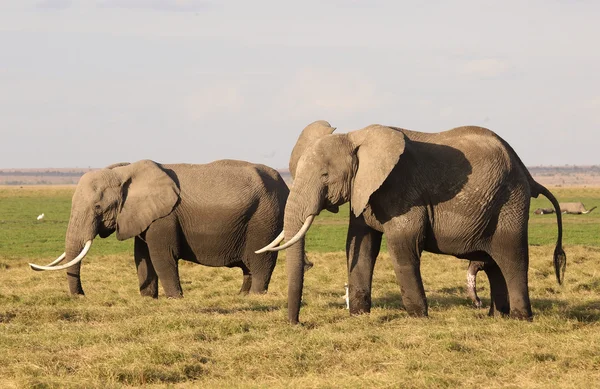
(298, 211)
(75, 241)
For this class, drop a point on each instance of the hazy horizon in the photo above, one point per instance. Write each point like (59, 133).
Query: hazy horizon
(90, 83)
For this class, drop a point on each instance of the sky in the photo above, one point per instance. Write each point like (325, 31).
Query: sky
(89, 83)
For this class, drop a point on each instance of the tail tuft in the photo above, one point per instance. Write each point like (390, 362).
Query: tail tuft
(560, 264)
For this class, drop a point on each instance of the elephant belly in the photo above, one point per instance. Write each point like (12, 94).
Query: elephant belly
(211, 248)
(456, 236)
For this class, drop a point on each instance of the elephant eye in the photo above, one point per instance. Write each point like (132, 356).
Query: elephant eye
(97, 208)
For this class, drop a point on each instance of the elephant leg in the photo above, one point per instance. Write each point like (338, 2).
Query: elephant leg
(474, 268)
(513, 267)
(261, 267)
(164, 248)
(165, 265)
(406, 259)
(146, 274)
(247, 283)
(362, 248)
(499, 303)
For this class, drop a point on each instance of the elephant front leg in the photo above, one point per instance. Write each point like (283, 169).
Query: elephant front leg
(362, 248)
(406, 259)
(167, 271)
(247, 283)
(146, 274)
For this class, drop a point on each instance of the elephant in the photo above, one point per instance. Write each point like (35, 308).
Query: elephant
(576, 208)
(462, 192)
(214, 214)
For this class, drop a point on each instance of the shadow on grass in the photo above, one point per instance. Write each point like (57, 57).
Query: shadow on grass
(587, 313)
(228, 311)
(394, 300)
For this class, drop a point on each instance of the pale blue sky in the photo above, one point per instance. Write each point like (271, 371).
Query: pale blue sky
(90, 83)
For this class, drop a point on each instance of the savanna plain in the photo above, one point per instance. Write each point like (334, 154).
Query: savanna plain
(215, 337)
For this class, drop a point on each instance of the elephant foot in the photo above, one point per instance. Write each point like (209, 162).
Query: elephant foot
(149, 294)
(416, 311)
(495, 312)
(178, 294)
(521, 315)
(360, 301)
(246, 285)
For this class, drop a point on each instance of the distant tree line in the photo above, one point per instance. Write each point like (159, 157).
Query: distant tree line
(47, 173)
(565, 170)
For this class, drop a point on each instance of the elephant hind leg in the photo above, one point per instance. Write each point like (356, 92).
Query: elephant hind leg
(510, 274)
(499, 299)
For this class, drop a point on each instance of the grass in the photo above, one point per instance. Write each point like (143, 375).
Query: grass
(216, 338)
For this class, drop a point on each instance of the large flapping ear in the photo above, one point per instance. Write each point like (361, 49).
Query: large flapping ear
(148, 193)
(378, 151)
(309, 135)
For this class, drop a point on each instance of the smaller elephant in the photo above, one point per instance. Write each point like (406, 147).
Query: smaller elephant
(214, 214)
(543, 211)
(576, 208)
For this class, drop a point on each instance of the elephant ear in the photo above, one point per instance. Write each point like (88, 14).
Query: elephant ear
(378, 150)
(118, 164)
(148, 193)
(309, 135)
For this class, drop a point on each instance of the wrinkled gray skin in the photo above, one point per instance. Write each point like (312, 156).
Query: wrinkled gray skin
(462, 192)
(214, 214)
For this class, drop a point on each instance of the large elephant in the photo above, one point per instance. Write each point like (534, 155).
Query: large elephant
(462, 192)
(214, 214)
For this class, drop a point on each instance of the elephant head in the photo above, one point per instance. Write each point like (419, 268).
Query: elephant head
(123, 197)
(330, 170)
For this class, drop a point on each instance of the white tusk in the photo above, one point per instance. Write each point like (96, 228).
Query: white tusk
(57, 260)
(77, 259)
(296, 237)
(274, 243)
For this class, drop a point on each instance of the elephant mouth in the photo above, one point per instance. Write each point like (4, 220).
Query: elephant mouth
(332, 208)
(105, 232)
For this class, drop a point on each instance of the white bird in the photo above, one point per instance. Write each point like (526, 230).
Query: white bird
(347, 297)
(40, 217)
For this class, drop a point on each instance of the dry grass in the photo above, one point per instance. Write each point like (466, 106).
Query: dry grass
(216, 338)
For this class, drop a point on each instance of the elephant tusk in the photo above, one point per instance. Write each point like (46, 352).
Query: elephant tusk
(298, 235)
(77, 259)
(274, 243)
(57, 260)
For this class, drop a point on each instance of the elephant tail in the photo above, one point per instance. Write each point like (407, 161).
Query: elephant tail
(560, 258)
